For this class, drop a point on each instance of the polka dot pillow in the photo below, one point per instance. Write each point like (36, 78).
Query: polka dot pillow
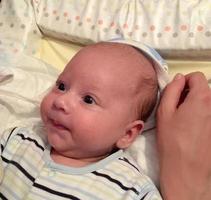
(174, 27)
(163, 24)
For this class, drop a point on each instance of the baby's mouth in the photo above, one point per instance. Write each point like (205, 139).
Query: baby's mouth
(58, 125)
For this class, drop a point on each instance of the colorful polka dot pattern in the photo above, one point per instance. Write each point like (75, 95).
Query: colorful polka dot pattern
(157, 23)
(18, 30)
(100, 21)
(151, 28)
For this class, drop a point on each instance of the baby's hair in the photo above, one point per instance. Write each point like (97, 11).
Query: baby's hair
(147, 97)
(148, 86)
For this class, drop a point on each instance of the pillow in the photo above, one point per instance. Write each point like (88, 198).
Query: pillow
(18, 29)
(164, 25)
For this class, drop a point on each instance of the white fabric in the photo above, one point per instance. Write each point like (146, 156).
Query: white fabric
(23, 81)
(163, 24)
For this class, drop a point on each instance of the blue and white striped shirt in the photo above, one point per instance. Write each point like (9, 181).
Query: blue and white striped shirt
(30, 173)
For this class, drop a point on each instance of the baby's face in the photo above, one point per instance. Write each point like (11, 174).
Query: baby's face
(90, 107)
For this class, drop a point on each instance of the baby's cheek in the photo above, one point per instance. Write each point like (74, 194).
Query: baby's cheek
(44, 107)
(46, 101)
(85, 127)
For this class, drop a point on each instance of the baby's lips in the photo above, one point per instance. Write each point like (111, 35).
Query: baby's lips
(58, 124)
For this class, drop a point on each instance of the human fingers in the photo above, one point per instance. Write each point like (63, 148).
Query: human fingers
(198, 90)
(196, 81)
(171, 95)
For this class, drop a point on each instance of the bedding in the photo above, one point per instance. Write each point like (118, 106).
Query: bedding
(22, 85)
(166, 25)
(38, 37)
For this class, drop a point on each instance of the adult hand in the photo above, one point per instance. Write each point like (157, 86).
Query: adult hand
(184, 139)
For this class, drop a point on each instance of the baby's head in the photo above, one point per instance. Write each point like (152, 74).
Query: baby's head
(100, 101)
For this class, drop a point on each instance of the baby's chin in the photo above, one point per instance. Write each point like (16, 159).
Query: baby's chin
(56, 139)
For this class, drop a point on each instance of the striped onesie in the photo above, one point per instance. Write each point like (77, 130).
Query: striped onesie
(30, 173)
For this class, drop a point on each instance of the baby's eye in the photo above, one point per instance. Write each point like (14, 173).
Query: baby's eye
(61, 86)
(88, 99)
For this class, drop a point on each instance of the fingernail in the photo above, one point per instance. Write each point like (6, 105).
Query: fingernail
(178, 76)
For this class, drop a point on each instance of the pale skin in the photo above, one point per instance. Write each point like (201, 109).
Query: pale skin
(91, 109)
(184, 139)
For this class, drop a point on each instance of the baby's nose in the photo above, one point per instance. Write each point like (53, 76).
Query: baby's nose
(63, 103)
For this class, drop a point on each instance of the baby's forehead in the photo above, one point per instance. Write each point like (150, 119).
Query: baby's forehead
(120, 60)
(119, 54)
(137, 66)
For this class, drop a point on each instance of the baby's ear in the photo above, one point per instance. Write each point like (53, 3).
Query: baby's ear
(131, 132)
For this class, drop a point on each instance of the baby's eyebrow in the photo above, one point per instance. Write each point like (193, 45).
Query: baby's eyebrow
(96, 91)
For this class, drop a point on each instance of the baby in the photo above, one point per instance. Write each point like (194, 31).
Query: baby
(95, 110)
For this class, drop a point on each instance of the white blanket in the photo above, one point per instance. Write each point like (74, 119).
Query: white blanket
(23, 81)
